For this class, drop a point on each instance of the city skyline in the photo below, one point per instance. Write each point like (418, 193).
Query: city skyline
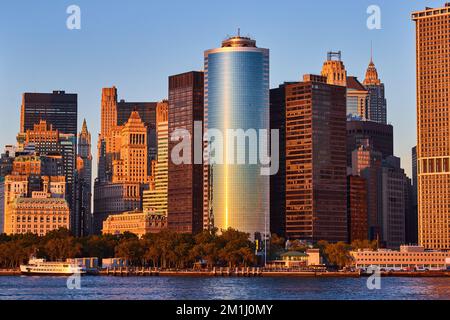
(270, 151)
(62, 69)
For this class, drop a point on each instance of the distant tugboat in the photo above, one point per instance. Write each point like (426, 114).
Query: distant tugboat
(41, 267)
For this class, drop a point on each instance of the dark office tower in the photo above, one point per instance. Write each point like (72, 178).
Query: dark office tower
(380, 137)
(412, 231)
(278, 181)
(316, 177)
(358, 228)
(58, 108)
(147, 113)
(377, 107)
(84, 181)
(366, 163)
(185, 187)
(394, 202)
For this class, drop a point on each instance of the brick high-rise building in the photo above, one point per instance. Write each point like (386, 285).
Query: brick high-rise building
(358, 228)
(316, 177)
(366, 162)
(433, 126)
(58, 109)
(185, 186)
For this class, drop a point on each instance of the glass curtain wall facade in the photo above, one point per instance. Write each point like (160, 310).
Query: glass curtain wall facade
(237, 97)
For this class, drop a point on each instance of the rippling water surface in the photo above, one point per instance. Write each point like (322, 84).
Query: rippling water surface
(178, 288)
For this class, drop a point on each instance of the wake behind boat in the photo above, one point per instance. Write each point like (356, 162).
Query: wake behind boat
(42, 267)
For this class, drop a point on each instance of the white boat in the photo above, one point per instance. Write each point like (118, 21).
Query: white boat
(42, 267)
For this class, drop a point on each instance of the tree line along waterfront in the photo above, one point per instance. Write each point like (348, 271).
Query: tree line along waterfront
(167, 249)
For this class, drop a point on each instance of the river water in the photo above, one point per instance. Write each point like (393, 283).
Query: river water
(193, 288)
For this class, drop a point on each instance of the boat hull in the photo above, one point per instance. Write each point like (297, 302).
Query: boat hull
(31, 271)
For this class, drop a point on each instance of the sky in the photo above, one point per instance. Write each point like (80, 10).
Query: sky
(136, 44)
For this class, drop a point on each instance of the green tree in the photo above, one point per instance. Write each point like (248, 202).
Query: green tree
(132, 250)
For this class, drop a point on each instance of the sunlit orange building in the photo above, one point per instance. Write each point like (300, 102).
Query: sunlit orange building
(132, 163)
(433, 125)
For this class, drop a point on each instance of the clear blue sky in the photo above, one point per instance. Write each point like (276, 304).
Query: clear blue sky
(137, 44)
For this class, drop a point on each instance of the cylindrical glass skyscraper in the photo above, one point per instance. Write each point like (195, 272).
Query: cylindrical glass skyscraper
(237, 98)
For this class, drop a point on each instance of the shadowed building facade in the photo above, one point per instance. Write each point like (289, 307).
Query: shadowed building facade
(278, 180)
(185, 185)
(58, 109)
(316, 171)
(84, 181)
(378, 135)
(358, 228)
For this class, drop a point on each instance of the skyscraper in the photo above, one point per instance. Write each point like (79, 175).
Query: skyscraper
(378, 135)
(132, 163)
(316, 169)
(58, 109)
(357, 99)
(412, 219)
(130, 175)
(108, 110)
(185, 188)
(377, 106)
(44, 139)
(433, 127)
(358, 228)
(114, 114)
(278, 180)
(155, 199)
(236, 98)
(333, 70)
(84, 180)
(394, 205)
(366, 162)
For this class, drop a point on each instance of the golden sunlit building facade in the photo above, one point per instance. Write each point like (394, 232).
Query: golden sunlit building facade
(433, 125)
(39, 214)
(155, 199)
(132, 163)
(136, 222)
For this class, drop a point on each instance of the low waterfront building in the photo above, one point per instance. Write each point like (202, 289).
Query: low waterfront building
(295, 259)
(110, 263)
(137, 222)
(39, 214)
(2, 203)
(90, 264)
(408, 258)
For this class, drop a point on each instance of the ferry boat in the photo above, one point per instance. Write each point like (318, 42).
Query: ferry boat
(42, 267)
